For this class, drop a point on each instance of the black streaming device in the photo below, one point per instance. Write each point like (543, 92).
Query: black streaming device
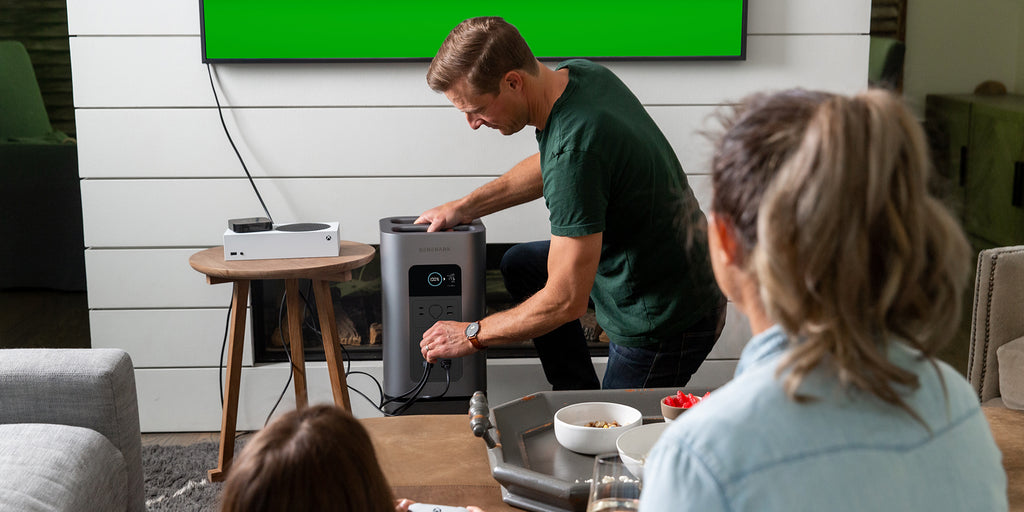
(250, 225)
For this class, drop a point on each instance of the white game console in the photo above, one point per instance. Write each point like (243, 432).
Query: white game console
(299, 240)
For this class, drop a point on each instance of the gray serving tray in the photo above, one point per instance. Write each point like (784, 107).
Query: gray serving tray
(535, 472)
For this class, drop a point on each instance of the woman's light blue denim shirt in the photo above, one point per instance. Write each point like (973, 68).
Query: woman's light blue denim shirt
(749, 447)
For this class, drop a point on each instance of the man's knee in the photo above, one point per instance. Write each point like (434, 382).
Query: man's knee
(524, 269)
(512, 261)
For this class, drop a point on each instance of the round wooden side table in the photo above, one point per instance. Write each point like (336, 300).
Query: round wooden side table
(321, 271)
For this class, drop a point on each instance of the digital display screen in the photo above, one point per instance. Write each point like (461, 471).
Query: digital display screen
(435, 280)
(412, 30)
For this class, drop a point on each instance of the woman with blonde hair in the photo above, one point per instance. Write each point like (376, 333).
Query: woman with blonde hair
(824, 234)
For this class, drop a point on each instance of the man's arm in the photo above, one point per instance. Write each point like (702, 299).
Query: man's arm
(572, 265)
(520, 184)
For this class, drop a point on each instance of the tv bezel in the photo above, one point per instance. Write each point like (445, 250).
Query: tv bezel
(742, 56)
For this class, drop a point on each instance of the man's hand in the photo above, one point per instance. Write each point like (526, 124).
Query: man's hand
(445, 340)
(572, 265)
(520, 184)
(446, 216)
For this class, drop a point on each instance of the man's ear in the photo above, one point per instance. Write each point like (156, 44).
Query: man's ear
(514, 79)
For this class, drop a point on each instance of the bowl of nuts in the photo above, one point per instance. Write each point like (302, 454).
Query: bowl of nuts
(592, 427)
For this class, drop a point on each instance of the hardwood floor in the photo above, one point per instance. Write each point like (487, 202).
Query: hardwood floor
(179, 438)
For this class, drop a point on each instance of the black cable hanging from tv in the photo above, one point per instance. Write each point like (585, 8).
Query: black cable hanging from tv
(209, 71)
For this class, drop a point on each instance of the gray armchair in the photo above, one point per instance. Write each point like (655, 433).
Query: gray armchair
(998, 320)
(997, 334)
(69, 431)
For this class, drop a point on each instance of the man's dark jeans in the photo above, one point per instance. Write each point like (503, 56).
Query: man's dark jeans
(564, 354)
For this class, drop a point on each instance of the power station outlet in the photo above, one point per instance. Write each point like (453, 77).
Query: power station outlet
(424, 312)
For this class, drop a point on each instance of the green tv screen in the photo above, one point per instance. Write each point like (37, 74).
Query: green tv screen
(412, 30)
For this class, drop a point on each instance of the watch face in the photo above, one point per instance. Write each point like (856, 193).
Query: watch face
(472, 329)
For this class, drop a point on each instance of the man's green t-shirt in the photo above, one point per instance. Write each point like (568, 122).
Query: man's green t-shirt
(607, 168)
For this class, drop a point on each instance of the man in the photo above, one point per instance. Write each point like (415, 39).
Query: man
(626, 229)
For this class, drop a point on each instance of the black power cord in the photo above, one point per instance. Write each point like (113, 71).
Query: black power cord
(287, 352)
(411, 396)
(446, 364)
(379, 406)
(309, 306)
(220, 112)
(223, 346)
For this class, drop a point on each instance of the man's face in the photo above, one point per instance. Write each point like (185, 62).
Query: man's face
(500, 111)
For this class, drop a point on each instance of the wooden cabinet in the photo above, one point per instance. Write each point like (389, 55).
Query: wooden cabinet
(982, 138)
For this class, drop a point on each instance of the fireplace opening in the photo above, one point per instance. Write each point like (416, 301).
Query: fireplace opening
(358, 314)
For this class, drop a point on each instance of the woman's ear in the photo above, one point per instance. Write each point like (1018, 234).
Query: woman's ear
(724, 243)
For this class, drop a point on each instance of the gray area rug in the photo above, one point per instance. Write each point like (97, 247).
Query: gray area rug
(176, 477)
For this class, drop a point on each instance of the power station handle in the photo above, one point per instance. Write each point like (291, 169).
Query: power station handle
(479, 418)
(422, 228)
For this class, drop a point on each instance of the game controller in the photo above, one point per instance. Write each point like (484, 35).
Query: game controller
(426, 507)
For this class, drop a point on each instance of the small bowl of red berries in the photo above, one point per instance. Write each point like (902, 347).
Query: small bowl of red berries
(674, 405)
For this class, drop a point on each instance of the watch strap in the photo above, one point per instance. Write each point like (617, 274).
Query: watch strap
(473, 340)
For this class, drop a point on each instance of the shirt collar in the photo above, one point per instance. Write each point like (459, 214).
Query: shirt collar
(763, 346)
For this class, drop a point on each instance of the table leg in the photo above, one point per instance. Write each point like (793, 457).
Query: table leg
(332, 349)
(236, 335)
(295, 341)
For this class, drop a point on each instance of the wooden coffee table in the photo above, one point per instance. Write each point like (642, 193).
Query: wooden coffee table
(435, 459)
(321, 271)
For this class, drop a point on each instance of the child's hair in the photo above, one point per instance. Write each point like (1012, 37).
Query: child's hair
(316, 458)
(828, 197)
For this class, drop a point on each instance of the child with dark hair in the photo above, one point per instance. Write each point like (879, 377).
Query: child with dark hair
(316, 458)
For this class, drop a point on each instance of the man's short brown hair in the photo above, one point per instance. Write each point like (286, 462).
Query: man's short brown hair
(480, 50)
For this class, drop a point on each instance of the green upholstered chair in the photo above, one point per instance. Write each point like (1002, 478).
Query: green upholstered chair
(885, 62)
(40, 196)
(24, 114)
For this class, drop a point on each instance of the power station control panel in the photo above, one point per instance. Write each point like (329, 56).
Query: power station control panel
(435, 294)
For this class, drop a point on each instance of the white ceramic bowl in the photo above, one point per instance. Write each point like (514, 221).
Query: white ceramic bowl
(636, 443)
(571, 432)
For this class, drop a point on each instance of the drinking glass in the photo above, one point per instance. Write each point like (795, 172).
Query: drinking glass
(613, 488)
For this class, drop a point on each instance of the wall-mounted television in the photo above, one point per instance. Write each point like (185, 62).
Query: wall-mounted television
(412, 30)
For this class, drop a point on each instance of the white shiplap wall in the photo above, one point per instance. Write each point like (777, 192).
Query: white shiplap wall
(346, 142)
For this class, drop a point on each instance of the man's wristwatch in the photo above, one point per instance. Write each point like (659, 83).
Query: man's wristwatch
(471, 332)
